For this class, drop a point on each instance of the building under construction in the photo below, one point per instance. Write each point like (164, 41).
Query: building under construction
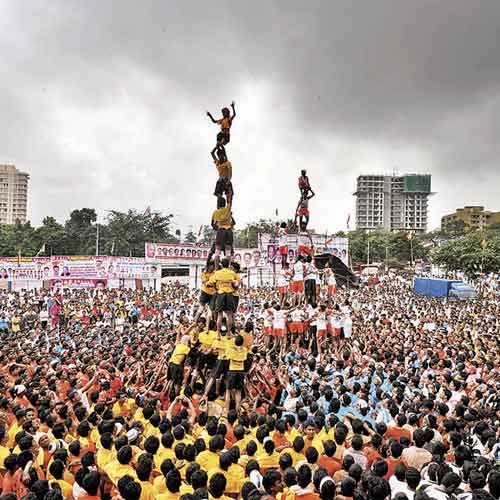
(394, 202)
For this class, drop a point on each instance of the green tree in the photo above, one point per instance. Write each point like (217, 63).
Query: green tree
(127, 232)
(248, 237)
(52, 235)
(455, 228)
(7, 242)
(385, 246)
(24, 239)
(190, 237)
(81, 232)
(207, 236)
(472, 253)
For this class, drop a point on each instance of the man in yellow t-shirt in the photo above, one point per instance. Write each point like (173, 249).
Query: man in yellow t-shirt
(223, 223)
(207, 291)
(226, 282)
(56, 470)
(207, 338)
(121, 466)
(237, 354)
(224, 185)
(176, 365)
(4, 451)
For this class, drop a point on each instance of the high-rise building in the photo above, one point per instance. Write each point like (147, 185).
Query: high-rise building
(13, 195)
(394, 202)
(472, 217)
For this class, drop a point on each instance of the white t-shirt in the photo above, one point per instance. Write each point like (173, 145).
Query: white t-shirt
(268, 317)
(283, 278)
(279, 319)
(298, 271)
(283, 238)
(296, 315)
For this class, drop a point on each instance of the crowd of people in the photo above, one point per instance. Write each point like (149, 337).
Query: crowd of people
(367, 393)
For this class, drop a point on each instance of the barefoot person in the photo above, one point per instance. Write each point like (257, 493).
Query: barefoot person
(224, 136)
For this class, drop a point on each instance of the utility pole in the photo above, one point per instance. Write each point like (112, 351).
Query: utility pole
(368, 250)
(97, 239)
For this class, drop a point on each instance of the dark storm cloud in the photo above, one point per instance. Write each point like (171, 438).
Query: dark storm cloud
(103, 101)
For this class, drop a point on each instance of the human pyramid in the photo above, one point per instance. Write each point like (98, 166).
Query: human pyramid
(222, 218)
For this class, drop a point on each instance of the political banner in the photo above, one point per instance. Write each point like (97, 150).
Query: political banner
(68, 267)
(270, 244)
(198, 254)
(78, 283)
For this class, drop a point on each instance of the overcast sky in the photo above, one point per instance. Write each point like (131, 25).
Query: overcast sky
(103, 102)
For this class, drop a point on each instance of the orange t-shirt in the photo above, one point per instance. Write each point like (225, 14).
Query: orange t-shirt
(397, 433)
(8, 483)
(330, 464)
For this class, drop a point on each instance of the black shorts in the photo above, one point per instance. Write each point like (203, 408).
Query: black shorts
(205, 298)
(207, 360)
(236, 380)
(224, 239)
(193, 357)
(175, 373)
(223, 138)
(211, 304)
(224, 302)
(221, 368)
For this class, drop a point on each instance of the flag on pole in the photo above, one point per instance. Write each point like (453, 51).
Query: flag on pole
(348, 220)
(42, 250)
(200, 233)
(276, 212)
(147, 211)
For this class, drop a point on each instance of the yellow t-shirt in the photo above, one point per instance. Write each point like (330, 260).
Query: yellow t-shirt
(14, 429)
(221, 345)
(208, 460)
(104, 457)
(231, 486)
(315, 443)
(159, 485)
(147, 491)
(169, 496)
(223, 217)
(223, 280)
(206, 286)
(121, 410)
(267, 461)
(4, 453)
(186, 489)
(162, 454)
(292, 434)
(237, 356)
(115, 470)
(66, 488)
(207, 338)
(236, 477)
(296, 457)
(179, 354)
